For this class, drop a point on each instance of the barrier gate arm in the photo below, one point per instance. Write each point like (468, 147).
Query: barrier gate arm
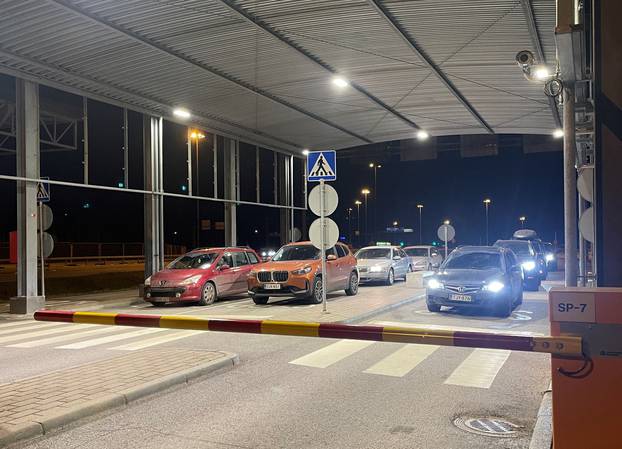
(563, 345)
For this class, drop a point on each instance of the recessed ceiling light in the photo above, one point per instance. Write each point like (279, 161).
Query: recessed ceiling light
(340, 81)
(541, 73)
(558, 133)
(305, 151)
(181, 113)
(422, 135)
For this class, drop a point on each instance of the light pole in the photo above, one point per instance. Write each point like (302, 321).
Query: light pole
(197, 136)
(366, 192)
(350, 224)
(446, 223)
(487, 202)
(420, 207)
(522, 220)
(358, 219)
(375, 167)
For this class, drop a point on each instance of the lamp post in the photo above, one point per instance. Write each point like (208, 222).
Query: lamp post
(196, 135)
(446, 222)
(375, 167)
(522, 220)
(487, 202)
(350, 224)
(358, 219)
(366, 192)
(420, 207)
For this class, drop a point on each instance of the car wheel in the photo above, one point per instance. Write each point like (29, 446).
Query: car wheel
(504, 308)
(353, 284)
(433, 307)
(316, 291)
(390, 277)
(261, 299)
(519, 301)
(532, 285)
(208, 294)
(410, 268)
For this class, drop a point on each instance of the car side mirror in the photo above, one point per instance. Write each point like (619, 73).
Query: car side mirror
(331, 257)
(224, 267)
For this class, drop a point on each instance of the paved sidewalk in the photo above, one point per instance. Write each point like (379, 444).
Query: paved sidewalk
(34, 406)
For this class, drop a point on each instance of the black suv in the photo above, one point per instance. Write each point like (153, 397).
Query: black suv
(528, 258)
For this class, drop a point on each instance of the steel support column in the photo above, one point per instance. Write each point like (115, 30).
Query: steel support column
(570, 189)
(154, 202)
(85, 139)
(283, 182)
(27, 137)
(231, 190)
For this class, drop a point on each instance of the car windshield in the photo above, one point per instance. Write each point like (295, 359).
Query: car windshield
(417, 252)
(193, 261)
(374, 253)
(473, 261)
(297, 252)
(519, 248)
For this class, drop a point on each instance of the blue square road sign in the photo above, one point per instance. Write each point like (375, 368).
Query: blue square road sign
(322, 165)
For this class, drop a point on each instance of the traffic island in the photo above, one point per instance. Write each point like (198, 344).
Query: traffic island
(38, 405)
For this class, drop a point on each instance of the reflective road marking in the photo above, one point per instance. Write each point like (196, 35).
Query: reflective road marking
(402, 361)
(332, 353)
(157, 340)
(479, 369)
(68, 336)
(111, 338)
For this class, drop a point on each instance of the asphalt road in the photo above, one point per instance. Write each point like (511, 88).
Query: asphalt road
(291, 392)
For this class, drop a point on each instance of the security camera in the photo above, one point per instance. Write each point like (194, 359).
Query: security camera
(525, 58)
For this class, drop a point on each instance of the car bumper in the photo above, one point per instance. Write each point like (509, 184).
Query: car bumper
(479, 299)
(369, 276)
(295, 286)
(171, 294)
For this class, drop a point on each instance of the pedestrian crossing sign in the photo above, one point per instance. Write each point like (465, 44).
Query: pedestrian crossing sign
(322, 165)
(43, 191)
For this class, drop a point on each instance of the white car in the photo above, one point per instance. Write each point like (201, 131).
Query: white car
(382, 264)
(424, 257)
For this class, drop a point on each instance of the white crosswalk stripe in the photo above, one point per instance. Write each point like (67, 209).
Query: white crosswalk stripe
(332, 354)
(41, 333)
(31, 326)
(110, 339)
(65, 337)
(402, 361)
(479, 369)
(147, 343)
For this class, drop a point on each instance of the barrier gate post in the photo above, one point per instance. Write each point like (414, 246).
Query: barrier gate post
(587, 394)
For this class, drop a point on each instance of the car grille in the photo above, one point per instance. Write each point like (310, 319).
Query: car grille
(363, 269)
(466, 289)
(272, 276)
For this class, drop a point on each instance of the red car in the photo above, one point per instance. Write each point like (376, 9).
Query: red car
(202, 275)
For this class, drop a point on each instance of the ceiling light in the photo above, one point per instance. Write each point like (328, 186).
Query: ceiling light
(558, 133)
(305, 152)
(181, 113)
(340, 82)
(541, 73)
(422, 135)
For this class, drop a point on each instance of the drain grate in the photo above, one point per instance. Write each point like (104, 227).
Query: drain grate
(492, 427)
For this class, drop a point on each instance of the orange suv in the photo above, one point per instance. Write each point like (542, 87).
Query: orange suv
(296, 271)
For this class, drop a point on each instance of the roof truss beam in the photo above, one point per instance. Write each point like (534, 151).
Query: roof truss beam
(205, 67)
(406, 37)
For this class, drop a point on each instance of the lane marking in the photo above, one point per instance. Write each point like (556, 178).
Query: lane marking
(110, 339)
(55, 330)
(4, 324)
(31, 326)
(156, 340)
(479, 369)
(402, 361)
(453, 328)
(331, 354)
(70, 336)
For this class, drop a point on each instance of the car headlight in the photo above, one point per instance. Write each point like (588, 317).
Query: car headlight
(528, 266)
(434, 284)
(271, 253)
(377, 268)
(301, 271)
(191, 280)
(148, 282)
(264, 254)
(494, 286)
(549, 257)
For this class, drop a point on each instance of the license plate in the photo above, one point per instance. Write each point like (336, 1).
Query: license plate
(272, 286)
(463, 298)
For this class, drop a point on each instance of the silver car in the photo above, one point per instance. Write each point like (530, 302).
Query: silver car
(424, 257)
(382, 264)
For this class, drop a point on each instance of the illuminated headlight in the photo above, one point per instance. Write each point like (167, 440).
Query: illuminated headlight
(264, 254)
(148, 282)
(301, 271)
(434, 284)
(550, 257)
(528, 266)
(191, 280)
(494, 286)
(377, 269)
(271, 253)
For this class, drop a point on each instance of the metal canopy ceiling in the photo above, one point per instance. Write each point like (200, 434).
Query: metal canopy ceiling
(263, 69)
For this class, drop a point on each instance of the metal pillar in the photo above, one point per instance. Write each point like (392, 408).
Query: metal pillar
(85, 139)
(154, 202)
(126, 151)
(27, 136)
(282, 183)
(231, 190)
(582, 256)
(189, 163)
(570, 189)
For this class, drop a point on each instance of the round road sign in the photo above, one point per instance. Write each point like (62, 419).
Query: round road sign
(585, 184)
(331, 233)
(46, 216)
(331, 200)
(586, 224)
(446, 232)
(296, 234)
(48, 245)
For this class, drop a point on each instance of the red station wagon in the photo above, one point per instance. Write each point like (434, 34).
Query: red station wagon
(202, 275)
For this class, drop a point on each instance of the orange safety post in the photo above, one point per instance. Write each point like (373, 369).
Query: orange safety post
(587, 393)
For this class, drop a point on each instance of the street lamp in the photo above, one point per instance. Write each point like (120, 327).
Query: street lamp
(375, 167)
(395, 223)
(358, 219)
(522, 220)
(366, 192)
(350, 224)
(487, 202)
(196, 136)
(420, 207)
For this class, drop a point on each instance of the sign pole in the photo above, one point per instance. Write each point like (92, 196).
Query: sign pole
(323, 242)
(41, 249)
(446, 241)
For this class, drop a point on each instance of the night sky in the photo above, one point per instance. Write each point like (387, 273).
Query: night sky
(449, 187)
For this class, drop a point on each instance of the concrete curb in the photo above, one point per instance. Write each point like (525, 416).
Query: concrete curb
(109, 402)
(542, 437)
(367, 315)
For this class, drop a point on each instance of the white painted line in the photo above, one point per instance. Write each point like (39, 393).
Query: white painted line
(70, 336)
(54, 330)
(479, 369)
(32, 325)
(4, 324)
(454, 328)
(157, 340)
(233, 317)
(110, 339)
(332, 353)
(402, 361)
